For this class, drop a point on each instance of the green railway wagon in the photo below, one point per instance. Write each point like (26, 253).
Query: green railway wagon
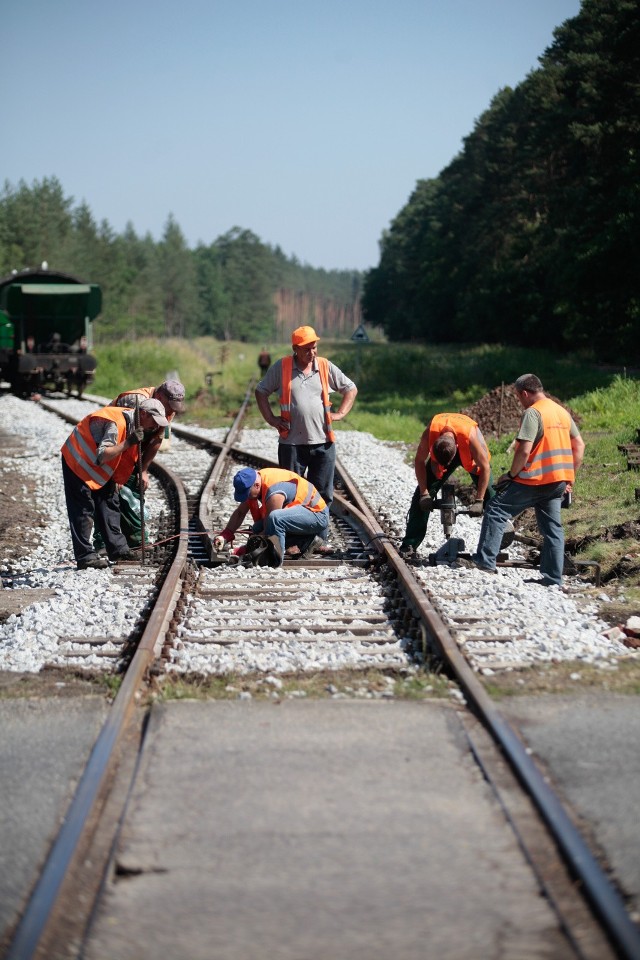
(48, 347)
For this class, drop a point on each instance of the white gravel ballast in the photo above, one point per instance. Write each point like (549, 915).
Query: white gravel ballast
(529, 624)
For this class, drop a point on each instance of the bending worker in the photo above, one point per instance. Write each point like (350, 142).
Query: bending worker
(303, 383)
(170, 393)
(449, 440)
(549, 451)
(100, 454)
(284, 506)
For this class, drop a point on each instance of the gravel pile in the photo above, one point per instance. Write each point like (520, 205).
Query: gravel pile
(528, 623)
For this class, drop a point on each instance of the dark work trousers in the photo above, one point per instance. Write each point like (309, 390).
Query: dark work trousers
(314, 461)
(86, 506)
(417, 519)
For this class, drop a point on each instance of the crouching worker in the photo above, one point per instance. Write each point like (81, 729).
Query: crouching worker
(286, 509)
(97, 457)
(450, 440)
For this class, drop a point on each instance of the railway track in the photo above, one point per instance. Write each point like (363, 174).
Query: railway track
(363, 607)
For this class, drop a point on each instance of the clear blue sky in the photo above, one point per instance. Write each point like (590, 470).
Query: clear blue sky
(307, 123)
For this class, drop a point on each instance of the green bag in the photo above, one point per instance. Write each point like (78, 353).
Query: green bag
(130, 522)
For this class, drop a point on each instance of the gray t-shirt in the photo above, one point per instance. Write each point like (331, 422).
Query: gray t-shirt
(307, 414)
(531, 426)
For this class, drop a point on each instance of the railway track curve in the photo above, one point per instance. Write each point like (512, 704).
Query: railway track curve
(376, 602)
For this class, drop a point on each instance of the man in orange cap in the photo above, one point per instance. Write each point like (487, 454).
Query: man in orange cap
(303, 383)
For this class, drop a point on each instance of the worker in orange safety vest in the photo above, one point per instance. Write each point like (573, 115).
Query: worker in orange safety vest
(97, 456)
(303, 382)
(450, 440)
(548, 453)
(284, 506)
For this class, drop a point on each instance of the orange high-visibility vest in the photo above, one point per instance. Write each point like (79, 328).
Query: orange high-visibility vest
(147, 394)
(551, 459)
(306, 494)
(80, 450)
(126, 463)
(286, 374)
(462, 427)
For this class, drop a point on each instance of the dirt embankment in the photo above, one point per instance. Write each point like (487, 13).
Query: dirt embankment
(499, 412)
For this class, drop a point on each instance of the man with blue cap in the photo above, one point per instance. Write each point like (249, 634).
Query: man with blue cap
(284, 506)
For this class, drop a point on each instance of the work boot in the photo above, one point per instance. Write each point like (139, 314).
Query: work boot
(93, 563)
(407, 551)
(129, 555)
(318, 546)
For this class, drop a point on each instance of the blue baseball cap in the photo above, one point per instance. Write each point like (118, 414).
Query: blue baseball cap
(242, 483)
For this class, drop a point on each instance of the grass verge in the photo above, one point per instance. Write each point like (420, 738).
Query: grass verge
(345, 684)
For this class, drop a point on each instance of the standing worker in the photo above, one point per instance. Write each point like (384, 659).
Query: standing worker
(286, 507)
(98, 455)
(303, 383)
(549, 452)
(450, 440)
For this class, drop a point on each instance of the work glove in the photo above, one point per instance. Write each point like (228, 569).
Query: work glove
(502, 482)
(137, 436)
(476, 508)
(426, 502)
(222, 539)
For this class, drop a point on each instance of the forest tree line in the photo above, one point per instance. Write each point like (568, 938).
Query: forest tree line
(235, 288)
(530, 236)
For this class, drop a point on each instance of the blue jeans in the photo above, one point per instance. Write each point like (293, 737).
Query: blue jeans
(297, 522)
(316, 462)
(545, 499)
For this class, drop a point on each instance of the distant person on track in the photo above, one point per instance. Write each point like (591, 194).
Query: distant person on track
(303, 383)
(549, 452)
(284, 507)
(264, 360)
(450, 440)
(97, 457)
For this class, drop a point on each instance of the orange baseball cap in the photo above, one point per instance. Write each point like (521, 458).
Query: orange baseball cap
(302, 336)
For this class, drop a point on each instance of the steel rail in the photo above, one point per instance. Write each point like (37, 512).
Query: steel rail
(607, 905)
(40, 912)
